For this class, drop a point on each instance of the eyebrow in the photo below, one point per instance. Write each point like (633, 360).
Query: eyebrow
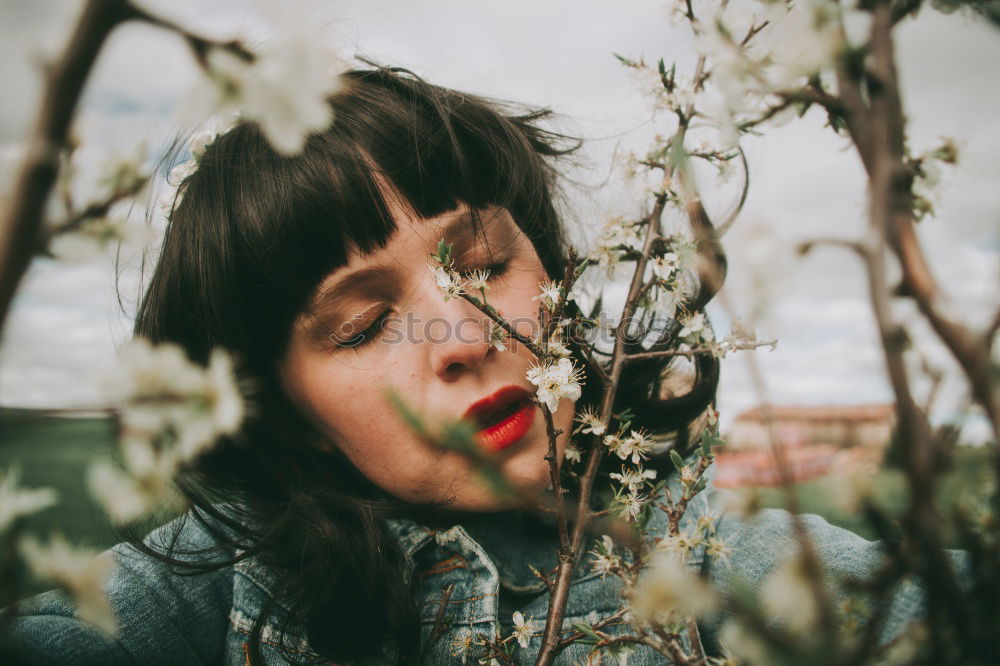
(358, 277)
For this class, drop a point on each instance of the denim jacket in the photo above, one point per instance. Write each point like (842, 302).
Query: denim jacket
(167, 618)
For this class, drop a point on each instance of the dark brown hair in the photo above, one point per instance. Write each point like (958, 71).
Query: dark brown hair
(251, 238)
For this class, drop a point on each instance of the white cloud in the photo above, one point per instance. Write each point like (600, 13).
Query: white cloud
(65, 323)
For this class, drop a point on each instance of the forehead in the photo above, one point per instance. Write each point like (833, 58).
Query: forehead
(415, 238)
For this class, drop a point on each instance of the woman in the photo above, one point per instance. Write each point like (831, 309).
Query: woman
(327, 531)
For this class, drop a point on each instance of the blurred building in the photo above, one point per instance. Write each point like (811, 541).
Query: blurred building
(815, 440)
(836, 425)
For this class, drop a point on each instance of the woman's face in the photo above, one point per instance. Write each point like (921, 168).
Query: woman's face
(433, 353)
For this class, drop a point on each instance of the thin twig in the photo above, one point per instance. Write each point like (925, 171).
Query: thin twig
(438, 629)
(575, 636)
(500, 321)
(666, 353)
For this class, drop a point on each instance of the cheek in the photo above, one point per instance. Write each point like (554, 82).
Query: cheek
(515, 297)
(338, 401)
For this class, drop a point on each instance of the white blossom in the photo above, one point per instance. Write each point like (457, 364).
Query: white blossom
(743, 644)
(284, 87)
(787, 594)
(181, 172)
(707, 523)
(127, 496)
(549, 295)
(805, 40)
(689, 475)
(80, 572)
(616, 236)
(171, 410)
(93, 236)
(606, 258)
(605, 561)
(668, 300)
(461, 645)
(665, 265)
(669, 586)
(168, 199)
(717, 548)
(592, 423)
(632, 479)
(555, 346)
(679, 545)
(636, 445)
(572, 453)
(209, 132)
(692, 325)
(498, 337)
(447, 281)
(16, 502)
(522, 629)
(477, 281)
(555, 381)
(162, 388)
(801, 39)
(629, 505)
(199, 142)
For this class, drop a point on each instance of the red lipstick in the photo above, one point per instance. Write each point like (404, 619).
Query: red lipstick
(504, 417)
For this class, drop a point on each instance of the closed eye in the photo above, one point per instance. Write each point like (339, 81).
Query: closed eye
(497, 269)
(363, 338)
(375, 330)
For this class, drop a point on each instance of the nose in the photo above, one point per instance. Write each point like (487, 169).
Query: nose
(455, 336)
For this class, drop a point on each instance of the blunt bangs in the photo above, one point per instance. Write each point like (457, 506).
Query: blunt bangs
(287, 222)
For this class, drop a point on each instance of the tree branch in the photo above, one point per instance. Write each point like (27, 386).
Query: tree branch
(23, 215)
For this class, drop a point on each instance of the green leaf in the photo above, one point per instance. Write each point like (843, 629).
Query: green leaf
(459, 435)
(628, 62)
(625, 416)
(588, 631)
(667, 78)
(412, 419)
(836, 121)
(443, 255)
(706, 450)
(676, 459)
(499, 485)
(642, 520)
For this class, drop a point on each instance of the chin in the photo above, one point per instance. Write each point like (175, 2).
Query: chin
(529, 488)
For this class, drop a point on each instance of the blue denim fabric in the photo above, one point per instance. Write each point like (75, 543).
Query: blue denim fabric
(172, 619)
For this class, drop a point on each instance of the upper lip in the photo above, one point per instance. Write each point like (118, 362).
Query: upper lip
(493, 403)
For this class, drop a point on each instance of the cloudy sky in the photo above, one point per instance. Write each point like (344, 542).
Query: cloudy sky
(806, 182)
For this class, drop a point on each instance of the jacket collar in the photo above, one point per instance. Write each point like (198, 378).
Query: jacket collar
(514, 541)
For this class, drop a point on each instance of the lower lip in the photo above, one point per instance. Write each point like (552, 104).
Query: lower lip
(499, 436)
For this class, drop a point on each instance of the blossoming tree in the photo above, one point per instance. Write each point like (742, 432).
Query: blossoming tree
(749, 71)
